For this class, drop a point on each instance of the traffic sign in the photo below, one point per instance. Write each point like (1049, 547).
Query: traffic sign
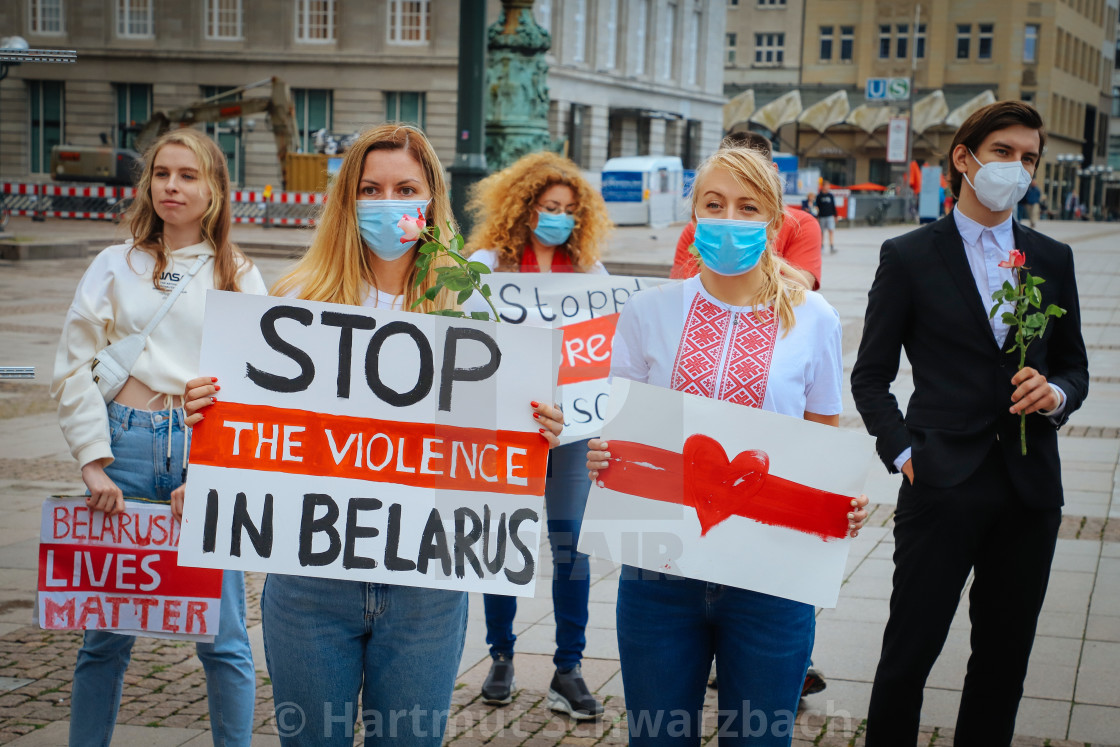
(888, 89)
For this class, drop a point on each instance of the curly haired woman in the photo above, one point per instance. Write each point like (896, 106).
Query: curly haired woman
(541, 215)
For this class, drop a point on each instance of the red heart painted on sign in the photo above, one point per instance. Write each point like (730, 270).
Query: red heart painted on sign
(716, 487)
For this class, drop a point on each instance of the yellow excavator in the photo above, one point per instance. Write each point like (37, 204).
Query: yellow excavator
(117, 165)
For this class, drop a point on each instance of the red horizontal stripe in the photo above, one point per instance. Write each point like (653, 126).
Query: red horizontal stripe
(100, 567)
(717, 488)
(422, 455)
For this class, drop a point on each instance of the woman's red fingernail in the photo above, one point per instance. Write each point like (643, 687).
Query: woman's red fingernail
(213, 379)
(537, 415)
(213, 399)
(542, 431)
(217, 388)
(534, 404)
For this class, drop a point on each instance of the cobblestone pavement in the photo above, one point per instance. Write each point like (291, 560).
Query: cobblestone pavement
(1072, 693)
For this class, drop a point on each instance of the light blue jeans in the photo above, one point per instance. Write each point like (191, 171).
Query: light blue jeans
(669, 628)
(140, 470)
(327, 641)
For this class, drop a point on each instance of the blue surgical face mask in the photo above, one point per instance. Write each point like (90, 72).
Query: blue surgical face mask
(553, 230)
(730, 247)
(377, 221)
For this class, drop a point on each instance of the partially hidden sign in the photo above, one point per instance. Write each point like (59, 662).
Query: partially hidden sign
(373, 445)
(120, 573)
(585, 308)
(724, 493)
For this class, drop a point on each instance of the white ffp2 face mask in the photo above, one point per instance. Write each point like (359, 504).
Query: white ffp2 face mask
(999, 184)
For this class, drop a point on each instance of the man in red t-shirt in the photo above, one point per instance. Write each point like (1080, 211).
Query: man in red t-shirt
(798, 242)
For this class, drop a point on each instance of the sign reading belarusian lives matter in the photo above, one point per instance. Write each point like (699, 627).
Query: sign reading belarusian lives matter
(724, 493)
(586, 308)
(119, 573)
(365, 444)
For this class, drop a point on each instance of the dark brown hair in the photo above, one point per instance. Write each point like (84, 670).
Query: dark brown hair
(748, 140)
(984, 122)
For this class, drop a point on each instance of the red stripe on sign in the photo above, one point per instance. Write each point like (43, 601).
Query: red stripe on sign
(423, 455)
(586, 351)
(717, 488)
(123, 570)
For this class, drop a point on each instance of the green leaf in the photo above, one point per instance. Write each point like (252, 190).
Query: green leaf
(454, 283)
(432, 292)
(1038, 281)
(1036, 297)
(416, 303)
(486, 291)
(464, 295)
(479, 267)
(482, 316)
(1055, 310)
(1008, 287)
(1010, 319)
(457, 257)
(457, 242)
(430, 247)
(992, 313)
(435, 232)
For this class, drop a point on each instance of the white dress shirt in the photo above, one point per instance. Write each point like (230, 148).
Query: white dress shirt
(984, 248)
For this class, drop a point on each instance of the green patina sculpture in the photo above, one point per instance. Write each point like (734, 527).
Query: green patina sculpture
(516, 86)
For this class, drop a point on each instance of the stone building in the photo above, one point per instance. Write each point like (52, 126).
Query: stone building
(627, 77)
(799, 69)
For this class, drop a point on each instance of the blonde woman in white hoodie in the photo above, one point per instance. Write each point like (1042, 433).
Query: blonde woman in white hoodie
(135, 447)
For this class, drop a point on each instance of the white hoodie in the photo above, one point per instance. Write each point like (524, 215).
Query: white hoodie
(114, 299)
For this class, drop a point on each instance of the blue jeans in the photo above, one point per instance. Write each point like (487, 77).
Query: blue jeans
(565, 497)
(668, 630)
(328, 640)
(139, 441)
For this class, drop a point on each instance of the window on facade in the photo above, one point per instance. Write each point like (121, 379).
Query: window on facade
(732, 39)
(1116, 101)
(733, 3)
(691, 47)
(410, 21)
(847, 42)
(1030, 43)
(46, 17)
(984, 41)
(46, 103)
(669, 30)
(640, 33)
(315, 20)
(405, 106)
(902, 40)
(134, 108)
(964, 40)
(543, 12)
(826, 43)
(769, 49)
(611, 57)
(579, 31)
(223, 19)
(134, 18)
(884, 41)
(314, 112)
(771, 3)
(920, 42)
(227, 134)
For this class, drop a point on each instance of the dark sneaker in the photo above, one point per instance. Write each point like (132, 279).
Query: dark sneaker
(814, 683)
(499, 684)
(568, 693)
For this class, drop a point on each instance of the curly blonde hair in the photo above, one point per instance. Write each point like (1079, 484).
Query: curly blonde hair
(754, 172)
(504, 202)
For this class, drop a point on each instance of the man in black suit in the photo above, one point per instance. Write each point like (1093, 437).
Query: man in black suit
(969, 501)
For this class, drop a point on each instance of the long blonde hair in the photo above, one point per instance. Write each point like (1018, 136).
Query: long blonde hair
(754, 172)
(147, 227)
(507, 199)
(336, 267)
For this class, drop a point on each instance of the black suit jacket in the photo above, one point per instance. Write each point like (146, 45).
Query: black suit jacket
(924, 299)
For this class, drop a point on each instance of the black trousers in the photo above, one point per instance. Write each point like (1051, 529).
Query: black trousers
(940, 535)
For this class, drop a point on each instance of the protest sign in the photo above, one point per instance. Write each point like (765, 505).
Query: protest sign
(366, 444)
(119, 573)
(716, 491)
(586, 308)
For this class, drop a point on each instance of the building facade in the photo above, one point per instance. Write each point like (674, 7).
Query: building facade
(628, 76)
(1058, 55)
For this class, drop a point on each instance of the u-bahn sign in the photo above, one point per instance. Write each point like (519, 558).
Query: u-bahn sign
(888, 89)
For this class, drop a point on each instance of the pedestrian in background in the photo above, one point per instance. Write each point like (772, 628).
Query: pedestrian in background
(826, 214)
(541, 215)
(180, 224)
(1034, 206)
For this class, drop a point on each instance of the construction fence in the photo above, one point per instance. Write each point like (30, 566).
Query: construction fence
(40, 201)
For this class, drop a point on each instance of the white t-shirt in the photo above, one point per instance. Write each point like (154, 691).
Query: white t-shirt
(679, 336)
(489, 257)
